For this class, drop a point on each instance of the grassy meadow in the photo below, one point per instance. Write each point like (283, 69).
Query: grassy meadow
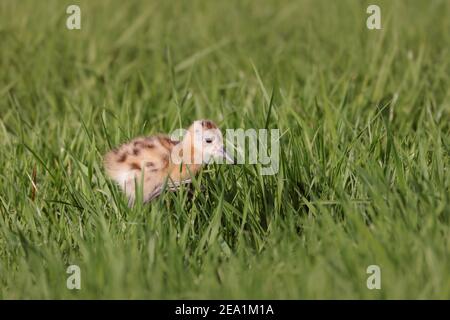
(364, 151)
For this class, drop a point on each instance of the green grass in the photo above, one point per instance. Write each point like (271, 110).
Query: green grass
(364, 157)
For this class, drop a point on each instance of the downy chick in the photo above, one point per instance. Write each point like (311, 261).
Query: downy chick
(154, 160)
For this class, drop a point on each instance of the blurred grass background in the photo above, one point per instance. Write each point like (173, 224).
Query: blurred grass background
(363, 158)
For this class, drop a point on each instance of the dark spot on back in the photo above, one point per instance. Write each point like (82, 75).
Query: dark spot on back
(148, 142)
(136, 151)
(122, 158)
(149, 164)
(135, 166)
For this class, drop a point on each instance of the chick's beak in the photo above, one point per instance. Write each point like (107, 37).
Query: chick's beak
(222, 153)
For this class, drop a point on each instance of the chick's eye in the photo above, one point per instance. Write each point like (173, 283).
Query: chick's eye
(209, 140)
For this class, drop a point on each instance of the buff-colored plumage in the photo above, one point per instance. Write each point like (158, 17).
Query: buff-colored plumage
(150, 160)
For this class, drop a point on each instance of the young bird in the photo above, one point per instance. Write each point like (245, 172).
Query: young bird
(151, 161)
